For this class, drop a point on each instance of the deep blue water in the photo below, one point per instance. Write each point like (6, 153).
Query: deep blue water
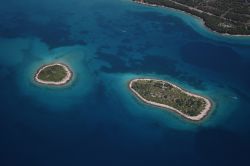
(95, 120)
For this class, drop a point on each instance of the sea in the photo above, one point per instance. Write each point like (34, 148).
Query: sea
(95, 120)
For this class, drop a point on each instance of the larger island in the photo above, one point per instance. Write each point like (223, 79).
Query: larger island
(167, 95)
(223, 16)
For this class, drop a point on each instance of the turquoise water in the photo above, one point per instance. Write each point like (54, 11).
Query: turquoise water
(95, 120)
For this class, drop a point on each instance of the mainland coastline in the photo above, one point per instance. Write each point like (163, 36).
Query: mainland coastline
(221, 28)
(68, 74)
(202, 114)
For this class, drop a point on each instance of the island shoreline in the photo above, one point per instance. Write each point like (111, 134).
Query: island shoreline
(199, 18)
(63, 82)
(203, 115)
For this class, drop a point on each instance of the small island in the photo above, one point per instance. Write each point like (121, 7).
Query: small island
(167, 95)
(54, 74)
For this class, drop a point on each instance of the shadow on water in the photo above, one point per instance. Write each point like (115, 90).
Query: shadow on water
(222, 147)
(56, 32)
(213, 58)
(219, 59)
(165, 24)
(149, 64)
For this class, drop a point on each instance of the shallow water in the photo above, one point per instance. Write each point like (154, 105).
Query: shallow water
(95, 120)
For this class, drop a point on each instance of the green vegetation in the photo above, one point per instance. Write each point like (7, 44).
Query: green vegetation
(164, 93)
(53, 73)
(224, 16)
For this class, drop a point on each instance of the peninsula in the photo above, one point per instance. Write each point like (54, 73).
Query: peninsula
(223, 16)
(54, 74)
(167, 95)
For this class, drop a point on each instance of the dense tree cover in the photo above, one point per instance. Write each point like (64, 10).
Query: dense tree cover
(224, 16)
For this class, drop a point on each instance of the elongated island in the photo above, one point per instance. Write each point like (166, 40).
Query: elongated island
(167, 95)
(54, 74)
